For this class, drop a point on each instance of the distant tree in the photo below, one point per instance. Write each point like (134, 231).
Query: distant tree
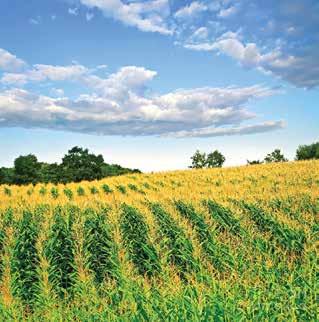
(198, 160)
(252, 162)
(26, 169)
(215, 160)
(275, 156)
(109, 170)
(308, 152)
(78, 164)
(6, 175)
(50, 172)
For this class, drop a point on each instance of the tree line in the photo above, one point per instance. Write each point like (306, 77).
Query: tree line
(77, 165)
(216, 159)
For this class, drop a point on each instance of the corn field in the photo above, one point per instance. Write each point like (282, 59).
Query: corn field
(196, 245)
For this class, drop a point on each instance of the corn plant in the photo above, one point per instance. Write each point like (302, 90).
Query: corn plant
(121, 189)
(99, 247)
(136, 240)
(25, 260)
(217, 253)
(80, 191)
(288, 238)
(224, 218)
(179, 246)
(54, 192)
(106, 188)
(59, 250)
(69, 193)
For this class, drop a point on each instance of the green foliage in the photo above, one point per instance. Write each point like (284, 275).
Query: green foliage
(68, 192)
(275, 156)
(212, 160)
(51, 172)
(59, 250)
(198, 160)
(254, 162)
(43, 191)
(26, 169)
(3, 237)
(110, 170)
(106, 188)
(121, 189)
(308, 152)
(7, 191)
(25, 260)
(99, 247)
(288, 238)
(224, 218)
(80, 191)
(215, 160)
(217, 253)
(179, 246)
(77, 165)
(94, 190)
(132, 186)
(6, 175)
(54, 192)
(136, 240)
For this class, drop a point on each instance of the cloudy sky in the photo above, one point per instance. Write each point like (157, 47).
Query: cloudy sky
(146, 83)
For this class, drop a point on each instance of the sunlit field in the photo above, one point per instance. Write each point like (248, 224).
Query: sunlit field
(211, 245)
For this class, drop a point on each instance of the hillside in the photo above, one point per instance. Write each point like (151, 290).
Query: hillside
(236, 244)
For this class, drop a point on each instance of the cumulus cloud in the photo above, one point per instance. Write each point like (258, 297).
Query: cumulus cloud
(181, 113)
(40, 73)
(146, 16)
(300, 71)
(121, 104)
(10, 62)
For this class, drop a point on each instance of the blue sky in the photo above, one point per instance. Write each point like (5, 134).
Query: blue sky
(146, 83)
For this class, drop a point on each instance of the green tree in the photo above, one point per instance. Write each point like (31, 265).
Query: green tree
(6, 175)
(26, 169)
(275, 156)
(252, 162)
(78, 164)
(215, 160)
(198, 160)
(50, 172)
(308, 152)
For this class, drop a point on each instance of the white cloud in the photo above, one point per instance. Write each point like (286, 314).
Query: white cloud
(230, 11)
(9, 62)
(120, 104)
(200, 33)
(227, 131)
(191, 10)
(57, 92)
(300, 71)
(73, 11)
(41, 73)
(146, 16)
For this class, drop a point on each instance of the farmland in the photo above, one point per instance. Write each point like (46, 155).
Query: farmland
(216, 244)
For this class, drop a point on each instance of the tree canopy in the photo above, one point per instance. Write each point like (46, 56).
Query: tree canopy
(308, 152)
(77, 165)
(212, 160)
